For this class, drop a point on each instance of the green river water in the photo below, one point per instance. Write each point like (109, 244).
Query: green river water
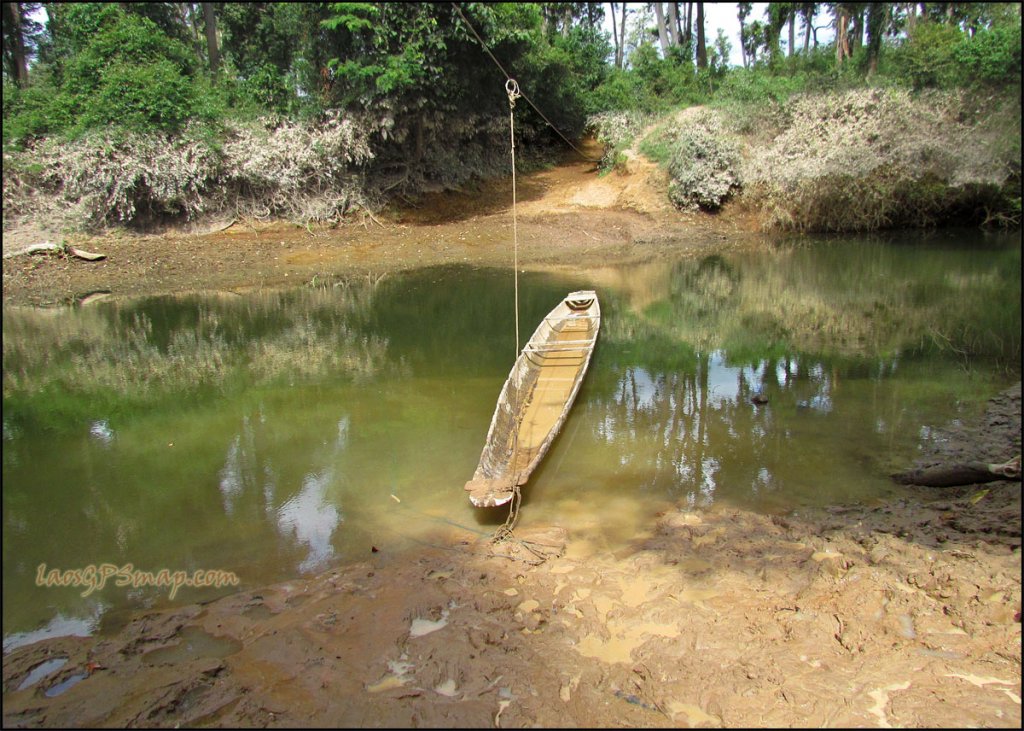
(278, 433)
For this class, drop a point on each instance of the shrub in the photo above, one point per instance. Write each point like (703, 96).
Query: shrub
(702, 158)
(925, 58)
(991, 56)
(615, 130)
(301, 171)
(873, 159)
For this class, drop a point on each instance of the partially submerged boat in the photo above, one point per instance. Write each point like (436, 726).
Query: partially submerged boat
(536, 398)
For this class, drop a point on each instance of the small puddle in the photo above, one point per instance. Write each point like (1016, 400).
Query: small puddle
(422, 626)
(195, 644)
(63, 686)
(41, 670)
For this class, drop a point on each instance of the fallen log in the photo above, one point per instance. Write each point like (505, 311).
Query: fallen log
(963, 473)
(57, 248)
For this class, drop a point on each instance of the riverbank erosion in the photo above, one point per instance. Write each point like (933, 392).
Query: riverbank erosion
(174, 213)
(565, 215)
(901, 614)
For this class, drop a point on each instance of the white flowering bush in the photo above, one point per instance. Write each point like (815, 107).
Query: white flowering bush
(297, 170)
(872, 158)
(103, 178)
(703, 161)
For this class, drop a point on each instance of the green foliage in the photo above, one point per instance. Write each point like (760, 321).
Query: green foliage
(926, 58)
(393, 52)
(667, 82)
(755, 86)
(620, 91)
(35, 111)
(124, 70)
(151, 96)
(992, 56)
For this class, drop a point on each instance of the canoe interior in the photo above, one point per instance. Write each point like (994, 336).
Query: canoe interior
(536, 398)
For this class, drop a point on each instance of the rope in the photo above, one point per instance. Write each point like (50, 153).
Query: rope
(512, 90)
(508, 77)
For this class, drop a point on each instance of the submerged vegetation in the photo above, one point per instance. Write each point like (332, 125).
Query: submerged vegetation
(130, 113)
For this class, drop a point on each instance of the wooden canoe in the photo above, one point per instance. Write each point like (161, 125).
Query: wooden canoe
(536, 398)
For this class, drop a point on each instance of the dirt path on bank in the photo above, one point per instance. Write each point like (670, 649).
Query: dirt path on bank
(906, 614)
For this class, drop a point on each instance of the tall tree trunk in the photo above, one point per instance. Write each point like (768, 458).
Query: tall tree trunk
(878, 22)
(743, 43)
(622, 37)
(911, 16)
(673, 24)
(211, 40)
(688, 29)
(858, 32)
(14, 39)
(659, 14)
(792, 30)
(842, 39)
(615, 38)
(702, 49)
(808, 19)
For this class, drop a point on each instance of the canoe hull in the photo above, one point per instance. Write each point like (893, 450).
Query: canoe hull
(536, 398)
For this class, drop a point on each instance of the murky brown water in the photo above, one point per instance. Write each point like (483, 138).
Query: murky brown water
(276, 433)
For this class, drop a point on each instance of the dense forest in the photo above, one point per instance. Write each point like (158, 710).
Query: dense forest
(132, 112)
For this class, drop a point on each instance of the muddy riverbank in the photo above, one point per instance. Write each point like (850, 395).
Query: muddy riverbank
(904, 614)
(565, 215)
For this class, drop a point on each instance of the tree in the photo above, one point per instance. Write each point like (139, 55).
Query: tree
(687, 27)
(756, 38)
(792, 28)
(674, 36)
(743, 12)
(719, 61)
(702, 49)
(619, 35)
(659, 13)
(877, 24)
(19, 35)
(807, 12)
(622, 36)
(776, 15)
(212, 52)
(842, 25)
